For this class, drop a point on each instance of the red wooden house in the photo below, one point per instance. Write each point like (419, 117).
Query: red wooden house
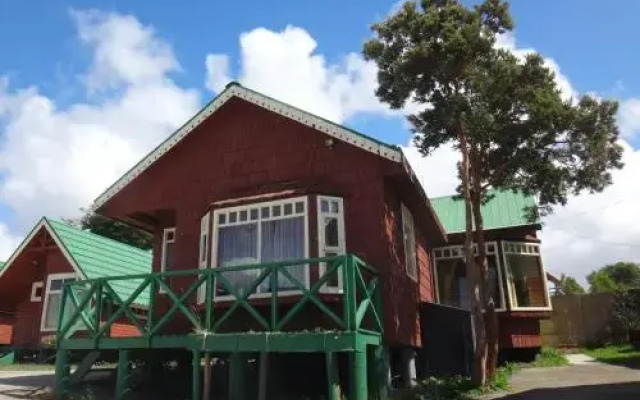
(31, 281)
(276, 232)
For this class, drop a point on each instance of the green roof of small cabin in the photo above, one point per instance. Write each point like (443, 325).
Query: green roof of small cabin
(100, 257)
(506, 209)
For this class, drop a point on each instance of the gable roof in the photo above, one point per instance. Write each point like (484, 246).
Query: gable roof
(506, 209)
(93, 256)
(234, 89)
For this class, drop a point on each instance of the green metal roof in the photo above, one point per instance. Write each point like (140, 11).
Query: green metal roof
(506, 209)
(100, 257)
(1, 265)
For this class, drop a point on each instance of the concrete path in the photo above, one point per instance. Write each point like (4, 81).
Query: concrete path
(585, 379)
(24, 384)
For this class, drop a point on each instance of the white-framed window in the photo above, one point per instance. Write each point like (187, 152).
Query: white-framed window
(526, 282)
(36, 291)
(168, 255)
(331, 235)
(261, 233)
(203, 254)
(53, 299)
(451, 276)
(409, 238)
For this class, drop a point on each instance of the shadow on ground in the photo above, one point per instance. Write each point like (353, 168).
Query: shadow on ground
(617, 391)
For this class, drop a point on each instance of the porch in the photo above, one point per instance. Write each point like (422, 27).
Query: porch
(269, 310)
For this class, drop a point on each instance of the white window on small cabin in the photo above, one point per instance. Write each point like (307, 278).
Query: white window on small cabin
(408, 232)
(262, 233)
(451, 276)
(168, 249)
(36, 291)
(331, 236)
(204, 239)
(526, 278)
(53, 299)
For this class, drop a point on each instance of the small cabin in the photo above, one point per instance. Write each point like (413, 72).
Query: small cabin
(32, 281)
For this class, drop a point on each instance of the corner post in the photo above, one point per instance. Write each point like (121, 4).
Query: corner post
(236, 376)
(123, 373)
(359, 384)
(196, 375)
(333, 377)
(61, 385)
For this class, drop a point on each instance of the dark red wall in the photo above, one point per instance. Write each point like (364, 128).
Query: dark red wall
(244, 150)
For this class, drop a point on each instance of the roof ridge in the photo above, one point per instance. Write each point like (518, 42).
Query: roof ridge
(99, 237)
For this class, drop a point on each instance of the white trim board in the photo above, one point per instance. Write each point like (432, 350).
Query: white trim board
(235, 90)
(43, 223)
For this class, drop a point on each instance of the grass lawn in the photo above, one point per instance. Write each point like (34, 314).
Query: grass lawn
(619, 355)
(27, 367)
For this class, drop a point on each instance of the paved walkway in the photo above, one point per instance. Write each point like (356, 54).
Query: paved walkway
(585, 379)
(24, 385)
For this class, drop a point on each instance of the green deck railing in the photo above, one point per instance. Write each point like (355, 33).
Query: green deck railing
(95, 305)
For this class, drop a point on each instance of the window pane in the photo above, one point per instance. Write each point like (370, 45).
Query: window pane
(452, 283)
(288, 209)
(324, 206)
(331, 232)
(335, 207)
(299, 207)
(56, 284)
(254, 214)
(53, 311)
(265, 212)
(243, 215)
(169, 257)
(233, 217)
(284, 240)
(238, 245)
(527, 283)
(334, 280)
(494, 281)
(203, 248)
(277, 211)
(222, 218)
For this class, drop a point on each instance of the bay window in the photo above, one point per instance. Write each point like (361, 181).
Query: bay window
(526, 279)
(331, 240)
(261, 233)
(451, 276)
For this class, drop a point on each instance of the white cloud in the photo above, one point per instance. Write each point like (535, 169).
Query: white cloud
(629, 117)
(8, 242)
(55, 160)
(285, 65)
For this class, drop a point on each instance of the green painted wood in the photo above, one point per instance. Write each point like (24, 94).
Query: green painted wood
(196, 375)
(208, 295)
(80, 306)
(236, 377)
(179, 305)
(359, 383)
(123, 307)
(78, 311)
(334, 391)
(242, 300)
(61, 382)
(123, 374)
(274, 299)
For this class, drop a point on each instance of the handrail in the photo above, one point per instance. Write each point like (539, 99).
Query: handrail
(360, 298)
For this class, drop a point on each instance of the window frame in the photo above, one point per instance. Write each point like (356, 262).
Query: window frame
(50, 278)
(323, 249)
(259, 205)
(34, 288)
(460, 250)
(535, 247)
(163, 255)
(410, 251)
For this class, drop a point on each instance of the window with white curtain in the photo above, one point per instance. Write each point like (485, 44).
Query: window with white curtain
(331, 241)
(408, 232)
(261, 233)
(53, 299)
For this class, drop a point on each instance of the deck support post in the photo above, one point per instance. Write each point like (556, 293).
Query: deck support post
(196, 375)
(359, 384)
(409, 376)
(123, 374)
(382, 372)
(61, 385)
(334, 391)
(262, 381)
(236, 376)
(206, 384)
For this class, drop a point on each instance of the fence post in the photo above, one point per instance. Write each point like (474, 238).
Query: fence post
(349, 296)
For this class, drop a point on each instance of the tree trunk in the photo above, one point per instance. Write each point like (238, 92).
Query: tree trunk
(490, 316)
(479, 368)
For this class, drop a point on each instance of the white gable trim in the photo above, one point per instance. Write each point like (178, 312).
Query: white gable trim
(332, 129)
(43, 223)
